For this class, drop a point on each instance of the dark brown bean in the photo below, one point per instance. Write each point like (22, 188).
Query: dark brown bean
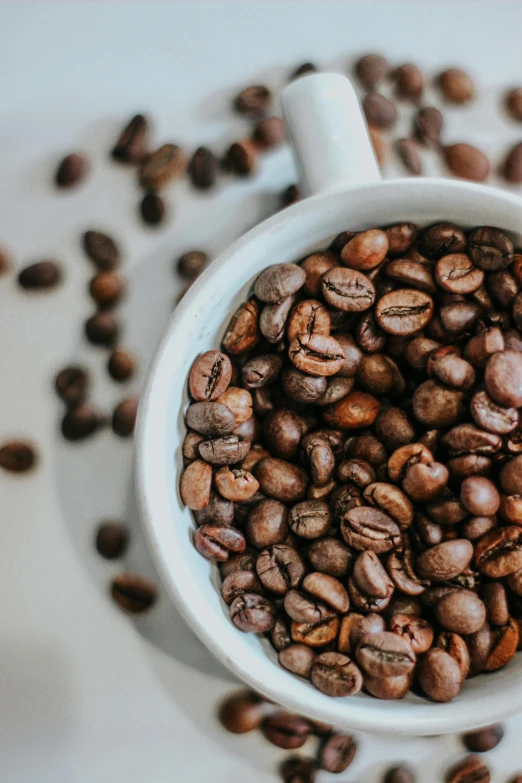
(337, 752)
(365, 250)
(372, 69)
(427, 125)
(348, 290)
(239, 583)
(269, 132)
(40, 276)
(298, 659)
(409, 83)
(330, 556)
(17, 456)
(107, 288)
(461, 611)
(490, 249)
(102, 329)
(327, 589)
(336, 675)
(364, 527)
(253, 101)
(71, 171)
(241, 712)
(503, 378)
(252, 613)
(124, 417)
(134, 593)
(80, 422)
(379, 111)
(267, 524)
(445, 561)
(161, 166)
(385, 654)
(409, 154)
(471, 769)
(404, 312)
(196, 483)
(439, 675)
(316, 354)
(72, 384)
(280, 568)
(131, 146)
(112, 539)
(416, 631)
(152, 209)
(482, 740)
(101, 249)
(499, 552)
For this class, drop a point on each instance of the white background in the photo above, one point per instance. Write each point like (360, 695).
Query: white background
(86, 694)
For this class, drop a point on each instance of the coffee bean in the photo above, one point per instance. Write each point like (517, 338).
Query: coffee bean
(330, 556)
(203, 169)
(252, 613)
(445, 561)
(216, 541)
(210, 418)
(385, 654)
(280, 567)
(512, 165)
(131, 146)
(499, 552)
(304, 388)
(101, 329)
(280, 635)
(466, 438)
(482, 740)
(456, 647)
(368, 528)
(310, 519)
(399, 775)
(302, 609)
(337, 752)
(308, 317)
(289, 196)
(327, 589)
(472, 768)
(388, 687)
(269, 132)
(479, 496)
(39, 276)
(379, 111)
(455, 273)
(503, 378)
(112, 539)
(121, 366)
(371, 69)
(366, 250)
(505, 643)
(210, 376)
(297, 658)
(427, 125)
(379, 144)
(336, 675)
(409, 83)
(416, 631)
(490, 249)
(513, 103)
(253, 101)
(281, 480)
(297, 769)
(370, 576)
(314, 267)
(318, 633)
(437, 406)
(235, 484)
(239, 583)
(442, 239)
(162, 166)
(124, 417)
(303, 70)
(241, 157)
(241, 712)
(404, 312)
(274, 317)
(466, 162)
(286, 730)
(191, 264)
(101, 249)
(72, 384)
(439, 675)
(80, 422)
(456, 86)
(107, 288)
(196, 483)
(134, 593)
(152, 209)
(400, 567)
(461, 611)
(71, 171)
(242, 333)
(348, 290)
(17, 456)
(279, 281)
(409, 154)
(412, 274)
(511, 477)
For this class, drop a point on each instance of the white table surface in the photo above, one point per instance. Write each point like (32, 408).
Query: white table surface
(86, 694)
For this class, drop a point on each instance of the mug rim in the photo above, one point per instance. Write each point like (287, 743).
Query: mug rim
(152, 509)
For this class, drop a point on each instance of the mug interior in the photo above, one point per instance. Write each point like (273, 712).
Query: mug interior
(197, 325)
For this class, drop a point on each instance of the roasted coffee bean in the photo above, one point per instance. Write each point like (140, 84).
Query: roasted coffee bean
(479, 646)
(210, 418)
(239, 583)
(461, 611)
(409, 84)
(336, 675)
(503, 378)
(281, 480)
(241, 712)
(337, 752)
(404, 311)
(203, 169)
(17, 456)
(101, 249)
(511, 508)
(314, 267)
(269, 132)
(235, 484)
(439, 675)
(272, 321)
(161, 166)
(242, 332)
(355, 410)
(368, 448)
(124, 417)
(112, 539)
(369, 337)
(429, 531)
(471, 769)
(427, 125)
(102, 329)
(253, 101)
(456, 86)
(241, 561)
(372, 69)
(319, 632)
(286, 730)
(308, 317)
(298, 659)
(385, 654)
(356, 471)
(226, 450)
(400, 567)
(442, 239)
(466, 162)
(330, 556)
(435, 405)
(511, 476)
(476, 527)
(399, 775)
(106, 288)
(71, 171)
(316, 354)
(411, 273)
(370, 576)
(280, 568)
(327, 589)
(40, 276)
(457, 274)
(449, 368)
(365, 250)
(72, 384)
(388, 687)
(482, 740)
(379, 374)
(479, 496)
(367, 603)
(466, 438)
(134, 593)
(191, 264)
(131, 146)
(503, 287)
(490, 249)
(445, 561)
(252, 613)
(80, 422)
(409, 154)
(456, 647)
(505, 642)
(499, 552)
(348, 289)
(400, 236)
(447, 509)
(364, 528)
(304, 388)
(479, 348)
(310, 519)
(303, 609)
(219, 510)
(279, 281)
(405, 457)
(490, 416)
(121, 366)
(416, 631)
(241, 157)
(152, 209)
(469, 465)
(282, 433)
(267, 524)
(379, 111)
(495, 600)
(196, 483)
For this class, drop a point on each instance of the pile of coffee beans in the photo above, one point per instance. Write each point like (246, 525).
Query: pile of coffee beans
(354, 460)
(333, 751)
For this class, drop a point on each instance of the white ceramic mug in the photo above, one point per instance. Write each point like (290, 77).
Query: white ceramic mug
(341, 177)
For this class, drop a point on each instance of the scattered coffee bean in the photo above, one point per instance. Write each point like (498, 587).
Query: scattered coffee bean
(409, 154)
(101, 249)
(4, 262)
(427, 125)
(303, 70)
(17, 456)
(124, 417)
(39, 276)
(112, 539)
(131, 146)
(71, 171)
(456, 86)
(134, 593)
(241, 157)
(203, 169)
(379, 144)
(269, 132)
(162, 166)
(471, 769)
(371, 69)
(102, 329)
(152, 209)
(107, 288)
(514, 103)
(380, 112)
(290, 195)
(241, 712)
(71, 385)
(191, 264)
(482, 740)
(253, 101)
(399, 775)
(121, 366)
(512, 166)
(297, 769)
(286, 730)
(409, 83)
(466, 162)
(337, 752)
(80, 422)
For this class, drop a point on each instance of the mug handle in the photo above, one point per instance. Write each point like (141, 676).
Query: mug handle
(329, 133)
